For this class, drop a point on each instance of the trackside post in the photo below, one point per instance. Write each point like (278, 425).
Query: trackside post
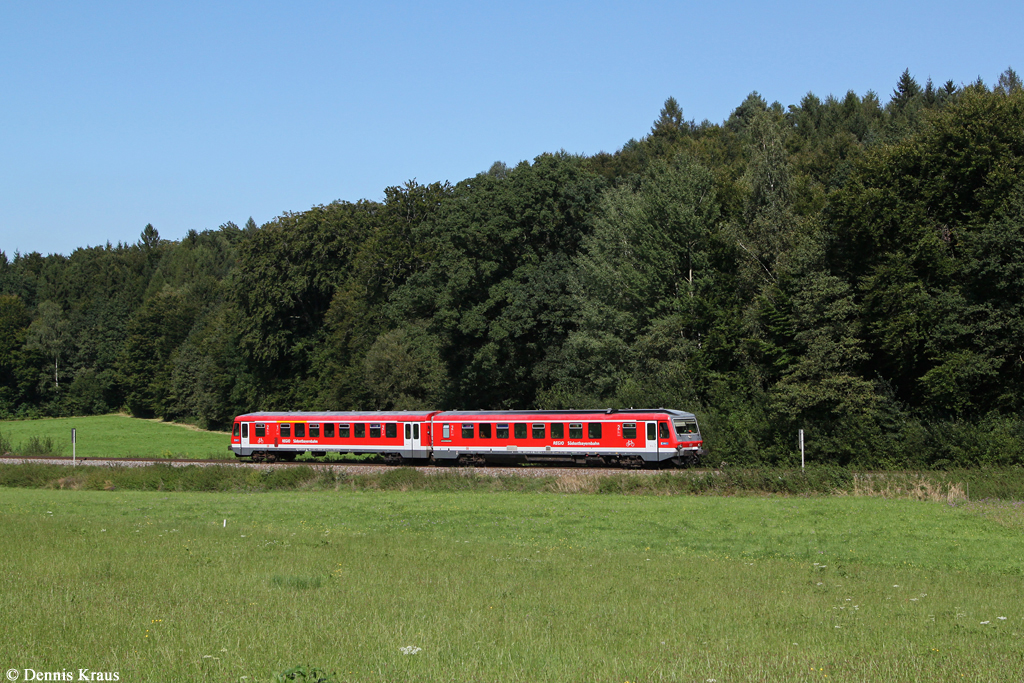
(801, 449)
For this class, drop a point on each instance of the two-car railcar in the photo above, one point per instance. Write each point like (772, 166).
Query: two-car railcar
(628, 438)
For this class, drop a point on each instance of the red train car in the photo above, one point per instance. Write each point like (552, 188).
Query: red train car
(614, 437)
(283, 436)
(628, 438)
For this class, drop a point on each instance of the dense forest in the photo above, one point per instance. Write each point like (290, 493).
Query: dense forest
(848, 267)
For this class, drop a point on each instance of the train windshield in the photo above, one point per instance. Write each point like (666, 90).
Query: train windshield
(686, 427)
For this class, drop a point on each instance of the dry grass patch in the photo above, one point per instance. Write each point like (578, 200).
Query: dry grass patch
(908, 486)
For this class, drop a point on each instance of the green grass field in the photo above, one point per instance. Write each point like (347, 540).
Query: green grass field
(117, 436)
(510, 586)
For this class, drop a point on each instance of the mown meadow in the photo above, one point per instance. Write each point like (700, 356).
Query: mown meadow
(112, 436)
(498, 586)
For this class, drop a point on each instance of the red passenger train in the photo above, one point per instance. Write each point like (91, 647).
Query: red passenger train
(626, 438)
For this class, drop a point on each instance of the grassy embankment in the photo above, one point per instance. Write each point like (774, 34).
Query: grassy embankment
(949, 487)
(113, 436)
(506, 586)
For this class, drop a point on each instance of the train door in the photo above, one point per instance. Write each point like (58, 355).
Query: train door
(651, 445)
(413, 441)
(245, 434)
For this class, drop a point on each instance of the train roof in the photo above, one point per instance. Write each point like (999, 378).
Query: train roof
(566, 413)
(449, 414)
(380, 414)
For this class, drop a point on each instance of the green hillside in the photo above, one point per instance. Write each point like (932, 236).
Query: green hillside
(115, 436)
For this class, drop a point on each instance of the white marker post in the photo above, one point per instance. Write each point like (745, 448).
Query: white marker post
(801, 449)
(73, 454)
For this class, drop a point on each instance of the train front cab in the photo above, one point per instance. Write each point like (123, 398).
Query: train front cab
(679, 439)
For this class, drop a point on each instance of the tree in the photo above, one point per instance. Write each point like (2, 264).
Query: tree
(154, 333)
(670, 124)
(495, 286)
(907, 231)
(768, 228)
(48, 334)
(744, 114)
(644, 270)
(15, 372)
(288, 273)
(907, 90)
(822, 390)
(1009, 82)
(403, 369)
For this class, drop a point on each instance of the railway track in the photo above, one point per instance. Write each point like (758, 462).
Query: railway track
(351, 466)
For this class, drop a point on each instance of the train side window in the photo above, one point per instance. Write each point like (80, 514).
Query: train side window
(314, 431)
(245, 430)
(593, 430)
(629, 430)
(650, 431)
(391, 430)
(234, 430)
(260, 429)
(467, 430)
(519, 429)
(485, 430)
(538, 431)
(502, 431)
(446, 431)
(286, 430)
(557, 430)
(374, 430)
(663, 430)
(300, 430)
(575, 430)
(329, 430)
(344, 431)
(415, 431)
(408, 430)
(361, 430)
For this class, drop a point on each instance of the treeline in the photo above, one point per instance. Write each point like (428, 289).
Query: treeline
(842, 266)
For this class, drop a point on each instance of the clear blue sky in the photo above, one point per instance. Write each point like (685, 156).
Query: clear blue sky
(187, 115)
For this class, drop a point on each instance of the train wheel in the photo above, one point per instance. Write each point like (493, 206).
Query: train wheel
(686, 461)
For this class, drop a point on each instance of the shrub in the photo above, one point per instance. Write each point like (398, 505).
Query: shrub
(309, 674)
(36, 447)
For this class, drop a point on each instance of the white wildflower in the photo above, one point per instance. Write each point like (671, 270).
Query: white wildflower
(984, 622)
(410, 650)
(1001, 618)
